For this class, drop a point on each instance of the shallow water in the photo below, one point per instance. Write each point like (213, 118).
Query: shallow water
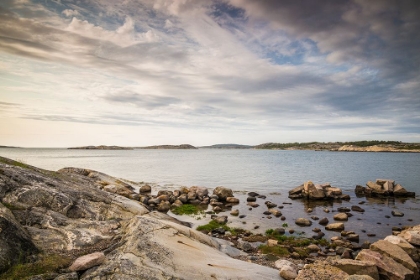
(269, 172)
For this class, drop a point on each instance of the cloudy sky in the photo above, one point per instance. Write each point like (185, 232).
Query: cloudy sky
(140, 72)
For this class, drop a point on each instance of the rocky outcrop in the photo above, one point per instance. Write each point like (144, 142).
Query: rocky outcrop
(383, 187)
(311, 191)
(71, 214)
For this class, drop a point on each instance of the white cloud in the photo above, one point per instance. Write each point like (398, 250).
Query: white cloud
(124, 36)
(70, 13)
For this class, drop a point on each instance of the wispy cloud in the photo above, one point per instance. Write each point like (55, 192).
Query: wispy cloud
(230, 65)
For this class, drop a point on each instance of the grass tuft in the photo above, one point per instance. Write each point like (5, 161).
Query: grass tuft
(186, 209)
(46, 264)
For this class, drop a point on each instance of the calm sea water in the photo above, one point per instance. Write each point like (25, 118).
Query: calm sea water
(269, 172)
(261, 170)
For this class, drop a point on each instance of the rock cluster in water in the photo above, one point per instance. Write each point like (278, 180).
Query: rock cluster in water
(164, 200)
(311, 191)
(383, 187)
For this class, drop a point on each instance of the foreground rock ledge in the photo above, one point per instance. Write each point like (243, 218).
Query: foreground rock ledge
(68, 214)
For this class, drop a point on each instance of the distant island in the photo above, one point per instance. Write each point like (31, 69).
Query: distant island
(7, 147)
(356, 146)
(168, 147)
(227, 146)
(102, 147)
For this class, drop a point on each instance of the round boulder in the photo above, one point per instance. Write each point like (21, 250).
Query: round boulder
(223, 193)
(303, 222)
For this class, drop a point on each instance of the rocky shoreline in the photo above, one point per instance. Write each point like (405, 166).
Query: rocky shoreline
(100, 227)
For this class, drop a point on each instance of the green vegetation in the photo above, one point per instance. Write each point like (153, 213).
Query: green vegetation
(285, 225)
(186, 209)
(19, 163)
(12, 207)
(45, 264)
(275, 250)
(294, 241)
(336, 145)
(212, 225)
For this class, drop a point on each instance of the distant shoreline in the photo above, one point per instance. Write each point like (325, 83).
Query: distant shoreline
(357, 146)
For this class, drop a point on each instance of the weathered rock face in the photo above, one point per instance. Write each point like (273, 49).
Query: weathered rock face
(13, 239)
(387, 267)
(69, 213)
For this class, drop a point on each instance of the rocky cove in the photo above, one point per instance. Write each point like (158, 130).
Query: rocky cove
(99, 227)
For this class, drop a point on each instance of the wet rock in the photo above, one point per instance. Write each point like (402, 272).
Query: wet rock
(353, 237)
(145, 189)
(275, 212)
(219, 230)
(217, 209)
(270, 204)
(220, 219)
(303, 222)
(164, 206)
(315, 218)
(235, 212)
(183, 198)
(251, 199)
(335, 226)
(223, 193)
(201, 192)
(233, 200)
(253, 194)
(324, 221)
(87, 261)
(341, 217)
(242, 216)
(253, 204)
(357, 208)
(262, 196)
(310, 190)
(343, 209)
(375, 188)
(396, 213)
(191, 195)
(359, 277)
(359, 189)
(326, 210)
(267, 213)
(296, 191)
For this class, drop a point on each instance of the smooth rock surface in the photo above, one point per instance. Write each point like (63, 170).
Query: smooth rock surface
(87, 261)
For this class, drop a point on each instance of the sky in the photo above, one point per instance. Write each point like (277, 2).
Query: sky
(140, 72)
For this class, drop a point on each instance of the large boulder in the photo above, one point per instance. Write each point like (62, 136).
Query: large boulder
(87, 261)
(376, 188)
(312, 192)
(335, 226)
(303, 222)
(388, 268)
(402, 243)
(395, 252)
(223, 193)
(356, 267)
(321, 271)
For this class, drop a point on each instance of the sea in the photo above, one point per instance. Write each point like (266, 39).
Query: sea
(269, 172)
